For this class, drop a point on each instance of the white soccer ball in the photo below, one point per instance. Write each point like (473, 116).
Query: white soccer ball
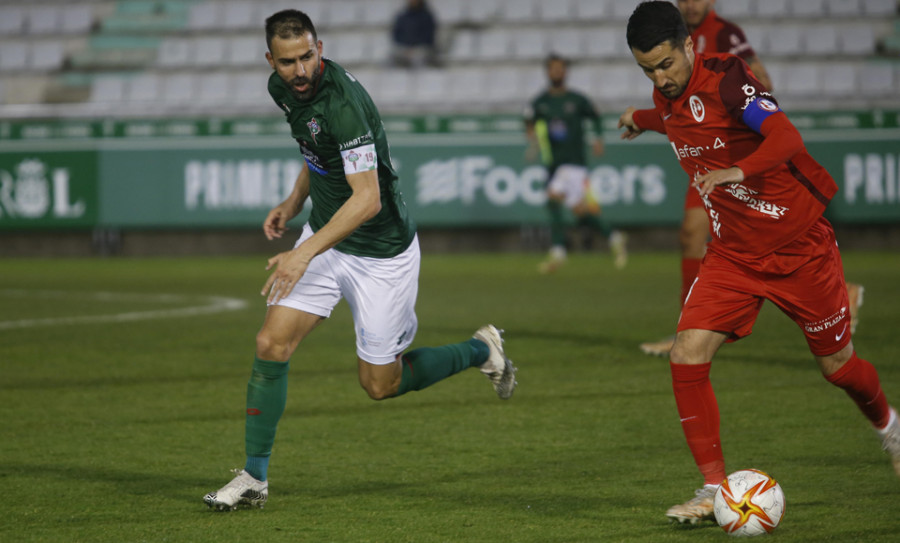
(749, 503)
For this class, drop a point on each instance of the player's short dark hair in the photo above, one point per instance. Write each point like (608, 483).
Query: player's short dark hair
(653, 23)
(289, 23)
(555, 57)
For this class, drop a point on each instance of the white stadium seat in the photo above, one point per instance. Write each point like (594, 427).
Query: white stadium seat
(786, 40)
(107, 89)
(803, 79)
(380, 12)
(877, 79)
(174, 53)
(47, 55)
(208, 51)
(241, 15)
(605, 42)
(246, 51)
(857, 39)
(737, 9)
(449, 12)
(494, 45)
(772, 9)
(568, 42)
(144, 87)
(529, 44)
(838, 8)
(821, 39)
(880, 7)
(205, 16)
(178, 88)
(592, 10)
(463, 45)
(77, 19)
(214, 88)
(12, 20)
(14, 56)
(519, 11)
(557, 11)
(44, 20)
(840, 80)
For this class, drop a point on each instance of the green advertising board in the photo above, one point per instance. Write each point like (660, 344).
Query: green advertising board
(454, 171)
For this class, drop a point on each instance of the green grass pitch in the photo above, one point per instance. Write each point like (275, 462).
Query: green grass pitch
(113, 431)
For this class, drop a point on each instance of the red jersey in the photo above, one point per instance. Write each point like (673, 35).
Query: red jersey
(717, 123)
(716, 35)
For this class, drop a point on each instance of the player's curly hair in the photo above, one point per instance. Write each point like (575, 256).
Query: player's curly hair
(289, 23)
(653, 23)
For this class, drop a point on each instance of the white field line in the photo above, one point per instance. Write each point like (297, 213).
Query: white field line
(200, 305)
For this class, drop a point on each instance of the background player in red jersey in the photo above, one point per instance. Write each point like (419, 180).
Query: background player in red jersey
(713, 34)
(764, 195)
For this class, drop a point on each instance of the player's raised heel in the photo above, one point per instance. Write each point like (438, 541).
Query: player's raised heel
(498, 368)
(698, 508)
(890, 440)
(242, 490)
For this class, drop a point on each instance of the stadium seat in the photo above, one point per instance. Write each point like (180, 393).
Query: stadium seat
(44, 20)
(145, 87)
(621, 10)
(857, 39)
(482, 12)
(205, 16)
(431, 87)
(463, 45)
(880, 7)
(246, 51)
(241, 15)
(772, 9)
(468, 85)
(529, 44)
(617, 82)
(494, 45)
(77, 19)
(802, 79)
(840, 8)
(14, 56)
(786, 40)
(107, 89)
(208, 51)
(178, 88)
(807, 8)
(877, 79)
(757, 37)
(47, 55)
(840, 80)
(557, 11)
(214, 88)
(737, 9)
(349, 48)
(395, 87)
(342, 14)
(519, 11)
(12, 20)
(591, 10)
(379, 13)
(568, 42)
(174, 53)
(821, 39)
(506, 86)
(250, 88)
(449, 12)
(605, 42)
(380, 48)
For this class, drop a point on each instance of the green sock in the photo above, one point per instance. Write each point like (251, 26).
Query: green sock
(428, 365)
(597, 222)
(557, 223)
(266, 397)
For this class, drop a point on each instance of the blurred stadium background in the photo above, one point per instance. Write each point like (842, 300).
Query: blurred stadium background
(144, 126)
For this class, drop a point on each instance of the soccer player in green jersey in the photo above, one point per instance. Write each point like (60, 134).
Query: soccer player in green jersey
(359, 244)
(555, 125)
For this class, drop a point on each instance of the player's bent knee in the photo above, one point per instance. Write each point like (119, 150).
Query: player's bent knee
(271, 348)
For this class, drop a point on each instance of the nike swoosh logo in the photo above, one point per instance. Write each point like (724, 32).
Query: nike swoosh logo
(687, 419)
(666, 117)
(837, 337)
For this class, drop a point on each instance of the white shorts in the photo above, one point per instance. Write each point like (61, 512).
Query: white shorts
(381, 293)
(571, 183)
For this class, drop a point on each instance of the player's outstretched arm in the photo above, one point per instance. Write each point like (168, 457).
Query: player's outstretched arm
(276, 221)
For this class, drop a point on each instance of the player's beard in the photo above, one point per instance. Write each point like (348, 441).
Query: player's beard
(311, 83)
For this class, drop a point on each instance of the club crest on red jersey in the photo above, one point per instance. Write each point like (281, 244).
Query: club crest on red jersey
(698, 110)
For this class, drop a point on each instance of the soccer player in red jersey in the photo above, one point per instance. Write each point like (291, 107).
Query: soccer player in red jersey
(713, 34)
(764, 195)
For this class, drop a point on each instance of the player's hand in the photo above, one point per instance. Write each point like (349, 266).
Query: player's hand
(708, 181)
(276, 223)
(626, 121)
(289, 268)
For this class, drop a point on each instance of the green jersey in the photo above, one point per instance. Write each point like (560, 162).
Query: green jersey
(340, 132)
(559, 124)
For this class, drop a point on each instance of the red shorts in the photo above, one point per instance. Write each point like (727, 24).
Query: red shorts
(692, 198)
(804, 279)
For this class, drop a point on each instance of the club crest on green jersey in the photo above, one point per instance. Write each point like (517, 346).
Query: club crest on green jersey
(314, 129)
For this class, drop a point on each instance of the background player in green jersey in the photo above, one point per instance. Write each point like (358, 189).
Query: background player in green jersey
(359, 244)
(555, 125)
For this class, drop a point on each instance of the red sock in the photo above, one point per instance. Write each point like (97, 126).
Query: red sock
(859, 380)
(699, 414)
(690, 267)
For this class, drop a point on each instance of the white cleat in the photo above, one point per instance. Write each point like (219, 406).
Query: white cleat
(890, 440)
(242, 490)
(617, 245)
(498, 368)
(698, 508)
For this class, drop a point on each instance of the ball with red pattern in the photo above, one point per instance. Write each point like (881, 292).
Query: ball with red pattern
(749, 503)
